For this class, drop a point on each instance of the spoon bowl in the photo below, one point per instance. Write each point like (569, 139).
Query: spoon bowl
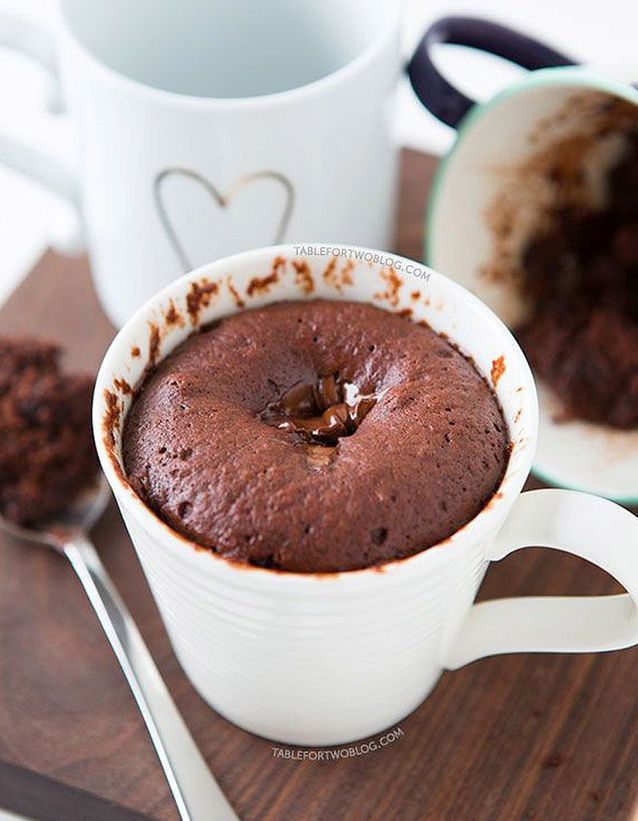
(78, 518)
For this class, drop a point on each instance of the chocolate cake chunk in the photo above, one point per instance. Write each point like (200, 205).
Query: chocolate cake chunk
(46, 447)
(581, 277)
(315, 437)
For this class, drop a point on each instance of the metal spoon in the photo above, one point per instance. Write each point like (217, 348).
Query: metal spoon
(194, 789)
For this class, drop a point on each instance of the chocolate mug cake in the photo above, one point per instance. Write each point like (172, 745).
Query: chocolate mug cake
(315, 436)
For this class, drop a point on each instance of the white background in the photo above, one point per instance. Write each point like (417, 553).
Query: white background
(599, 33)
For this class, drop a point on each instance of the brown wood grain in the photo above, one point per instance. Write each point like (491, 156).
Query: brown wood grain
(26, 793)
(536, 736)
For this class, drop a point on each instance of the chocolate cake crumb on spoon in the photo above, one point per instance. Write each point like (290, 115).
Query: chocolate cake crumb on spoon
(51, 493)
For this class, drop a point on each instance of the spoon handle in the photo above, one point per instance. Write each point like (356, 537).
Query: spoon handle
(196, 793)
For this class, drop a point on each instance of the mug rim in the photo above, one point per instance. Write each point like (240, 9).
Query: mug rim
(359, 62)
(487, 521)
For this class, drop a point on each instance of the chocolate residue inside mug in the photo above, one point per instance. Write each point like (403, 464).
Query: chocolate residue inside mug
(571, 152)
(566, 235)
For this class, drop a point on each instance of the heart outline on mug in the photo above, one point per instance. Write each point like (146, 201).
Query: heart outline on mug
(223, 200)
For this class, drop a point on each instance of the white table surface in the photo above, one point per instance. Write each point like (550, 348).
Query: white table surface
(603, 34)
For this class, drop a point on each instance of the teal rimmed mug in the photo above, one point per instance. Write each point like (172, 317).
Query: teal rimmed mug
(496, 184)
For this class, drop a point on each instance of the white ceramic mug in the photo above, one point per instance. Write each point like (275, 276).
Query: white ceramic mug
(207, 127)
(326, 659)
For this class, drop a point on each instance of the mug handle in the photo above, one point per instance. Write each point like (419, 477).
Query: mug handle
(587, 526)
(437, 94)
(36, 41)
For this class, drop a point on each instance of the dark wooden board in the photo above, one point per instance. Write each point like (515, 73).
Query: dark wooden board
(537, 736)
(26, 793)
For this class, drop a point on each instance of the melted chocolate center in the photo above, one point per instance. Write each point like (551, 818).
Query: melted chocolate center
(320, 412)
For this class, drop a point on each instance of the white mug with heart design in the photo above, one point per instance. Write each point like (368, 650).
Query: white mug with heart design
(206, 127)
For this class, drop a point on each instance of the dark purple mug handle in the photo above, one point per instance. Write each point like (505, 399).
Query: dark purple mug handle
(438, 95)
